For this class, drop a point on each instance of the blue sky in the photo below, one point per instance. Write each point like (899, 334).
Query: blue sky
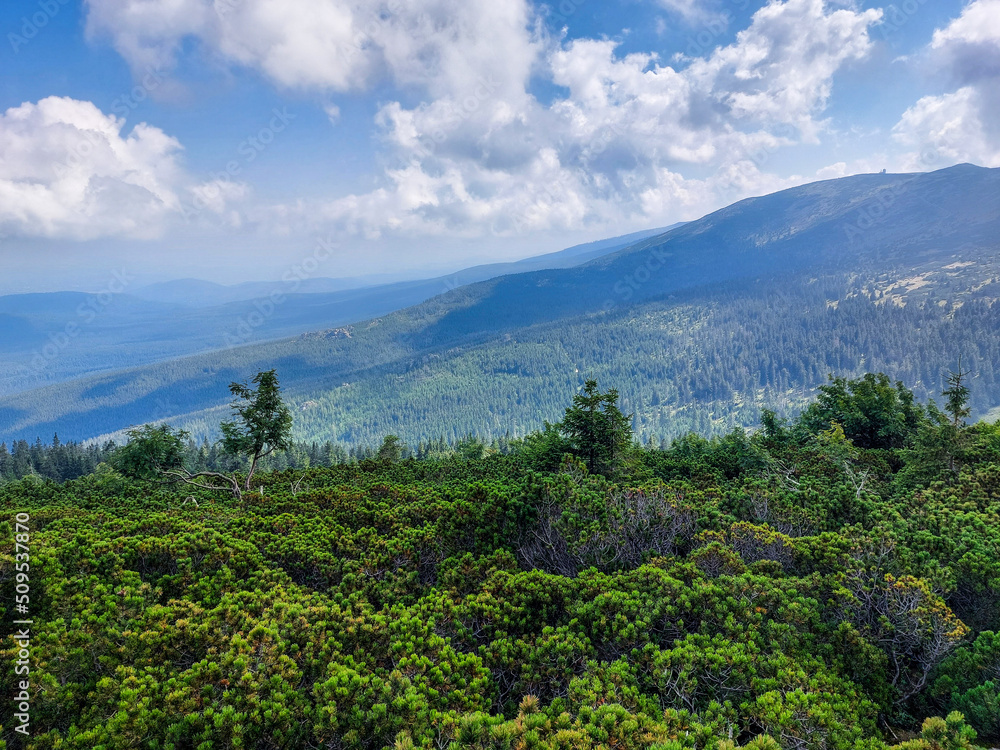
(231, 139)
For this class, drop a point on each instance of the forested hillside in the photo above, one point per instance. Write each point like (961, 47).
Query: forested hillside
(53, 337)
(755, 304)
(827, 583)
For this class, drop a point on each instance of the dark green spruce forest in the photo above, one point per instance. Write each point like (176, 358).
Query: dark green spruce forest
(830, 581)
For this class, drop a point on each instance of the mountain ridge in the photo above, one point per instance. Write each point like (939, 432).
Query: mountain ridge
(927, 221)
(59, 336)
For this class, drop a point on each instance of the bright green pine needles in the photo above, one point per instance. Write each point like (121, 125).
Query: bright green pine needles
(786, 590)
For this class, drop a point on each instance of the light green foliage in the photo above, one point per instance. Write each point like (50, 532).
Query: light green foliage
(718, 594)
(951, 733)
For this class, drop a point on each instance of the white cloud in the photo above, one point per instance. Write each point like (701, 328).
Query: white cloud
(780, 70)
(948, 129)
(337, 45)
(972, 41)
(634, 141)
(690, 10)
(615, 149)
(217, 196)
(147, 33)
(68, 171)
(964, 124)
(832, 171)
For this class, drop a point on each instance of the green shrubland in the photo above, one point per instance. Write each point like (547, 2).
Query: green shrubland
(827, 583)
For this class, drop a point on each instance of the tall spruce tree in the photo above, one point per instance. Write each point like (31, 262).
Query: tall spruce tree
(597, 430)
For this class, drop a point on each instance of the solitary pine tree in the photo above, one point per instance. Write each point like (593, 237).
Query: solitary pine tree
(263, 425)
(957, 396)
(597, 430)
(391, 449)
(264, 422)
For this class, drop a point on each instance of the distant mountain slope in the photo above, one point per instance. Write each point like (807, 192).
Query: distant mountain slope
(206, 294)
(853, 222)
(59, 336)
(692, 314)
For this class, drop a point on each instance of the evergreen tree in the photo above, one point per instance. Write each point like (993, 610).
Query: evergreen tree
(597, 430)
(957, 396)
(391, 449)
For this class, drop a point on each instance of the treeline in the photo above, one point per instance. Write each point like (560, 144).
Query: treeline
(56, 461)
(60, 462)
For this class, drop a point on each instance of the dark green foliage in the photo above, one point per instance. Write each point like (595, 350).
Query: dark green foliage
(957, 396)
(544, 450)
(151, 450)
(970, 681)
(391, 449)
(874, 412)
(596, 429)
(782, 590)
(263, 422)
(58, 461)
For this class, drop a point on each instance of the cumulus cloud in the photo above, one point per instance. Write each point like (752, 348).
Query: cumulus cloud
(780, 70)
(949, 129)
(964, 124)
(616, 147)
(147, 34)
(336, 45)
(971, 43)
(217, 195)
(479, 152)
(68, 170)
